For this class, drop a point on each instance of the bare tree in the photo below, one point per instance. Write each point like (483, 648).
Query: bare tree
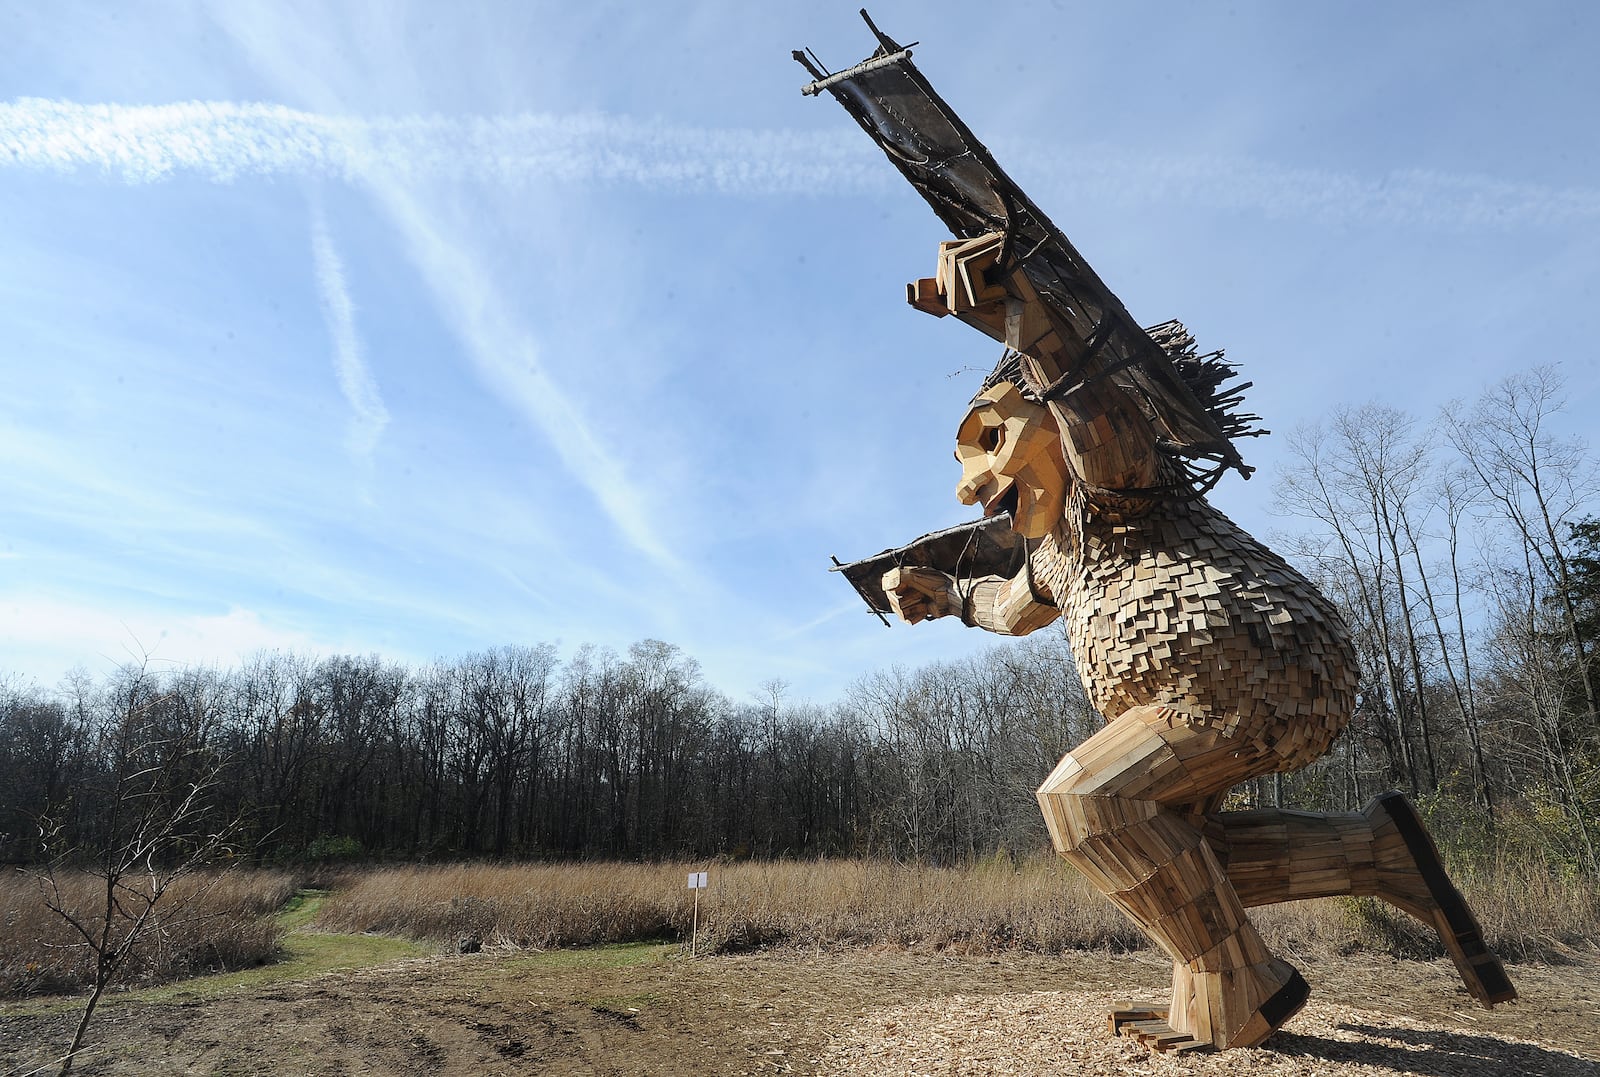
(1538, 483)
(154, 827)
(1355, 480)
(1453, 497)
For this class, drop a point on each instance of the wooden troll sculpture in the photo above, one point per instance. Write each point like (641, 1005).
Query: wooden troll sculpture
(1212, 659)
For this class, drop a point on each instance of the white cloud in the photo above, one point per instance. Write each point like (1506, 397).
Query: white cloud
(43, 636)
(224, 140)
(356, 382)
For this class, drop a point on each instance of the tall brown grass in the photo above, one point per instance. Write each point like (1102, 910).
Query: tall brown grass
(206, 922)
(824, 903)
(1039, 905)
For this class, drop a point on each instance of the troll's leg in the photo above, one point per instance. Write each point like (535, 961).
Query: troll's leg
(1383, 851)
(1119, 808)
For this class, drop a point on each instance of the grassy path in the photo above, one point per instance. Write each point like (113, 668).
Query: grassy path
(304, 953)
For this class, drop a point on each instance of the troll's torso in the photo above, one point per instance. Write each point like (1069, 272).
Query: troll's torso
(1177, 605)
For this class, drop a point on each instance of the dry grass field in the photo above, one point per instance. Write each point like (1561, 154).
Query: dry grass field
(1038, 905)
(748, 905)
(841, 967)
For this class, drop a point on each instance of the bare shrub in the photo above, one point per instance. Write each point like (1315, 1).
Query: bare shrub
(217, 921)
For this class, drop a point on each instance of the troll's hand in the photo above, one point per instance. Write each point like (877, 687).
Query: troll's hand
(918, 594)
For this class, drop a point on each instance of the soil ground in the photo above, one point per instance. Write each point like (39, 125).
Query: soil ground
(653, 1010)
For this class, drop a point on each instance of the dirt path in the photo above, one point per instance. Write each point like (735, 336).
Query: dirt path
(648, 1010)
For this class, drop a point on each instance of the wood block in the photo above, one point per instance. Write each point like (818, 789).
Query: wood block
(925, 296)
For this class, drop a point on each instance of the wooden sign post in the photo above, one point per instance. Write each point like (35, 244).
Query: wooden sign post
(697, 883)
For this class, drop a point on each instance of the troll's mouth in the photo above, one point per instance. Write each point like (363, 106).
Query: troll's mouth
(1005, 501)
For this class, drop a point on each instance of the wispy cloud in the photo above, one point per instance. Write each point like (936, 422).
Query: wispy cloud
(391, 159)
(225, 141)
(507, 358)
(852, 606)
(356, 382)
(1412, 198)
(37, 629)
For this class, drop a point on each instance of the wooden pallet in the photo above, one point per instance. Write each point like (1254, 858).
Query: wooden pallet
(1148, 1025)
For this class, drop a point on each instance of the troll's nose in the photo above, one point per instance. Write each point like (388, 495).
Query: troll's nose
(973, 481)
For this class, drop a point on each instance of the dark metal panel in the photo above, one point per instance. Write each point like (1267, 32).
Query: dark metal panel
(987, 547)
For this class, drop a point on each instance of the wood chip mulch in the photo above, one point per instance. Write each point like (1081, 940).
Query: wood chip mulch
(1064, 1033)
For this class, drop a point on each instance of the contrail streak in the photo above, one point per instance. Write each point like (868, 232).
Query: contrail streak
(355, 378)
(225, 141)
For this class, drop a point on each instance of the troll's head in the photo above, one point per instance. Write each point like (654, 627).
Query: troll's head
(1010, 452)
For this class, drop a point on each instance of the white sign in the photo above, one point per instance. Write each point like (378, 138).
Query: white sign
(697, 880)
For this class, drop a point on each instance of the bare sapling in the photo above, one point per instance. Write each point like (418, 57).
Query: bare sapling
(147, 823)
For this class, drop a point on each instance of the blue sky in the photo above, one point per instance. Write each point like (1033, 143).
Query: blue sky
(420, 329)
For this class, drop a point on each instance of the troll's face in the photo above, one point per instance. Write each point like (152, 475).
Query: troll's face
(1010, 453)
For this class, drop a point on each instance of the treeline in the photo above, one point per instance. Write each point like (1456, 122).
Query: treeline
(1459, 551)
(515, 753)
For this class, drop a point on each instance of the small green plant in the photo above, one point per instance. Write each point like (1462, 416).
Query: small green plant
(333, 849)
